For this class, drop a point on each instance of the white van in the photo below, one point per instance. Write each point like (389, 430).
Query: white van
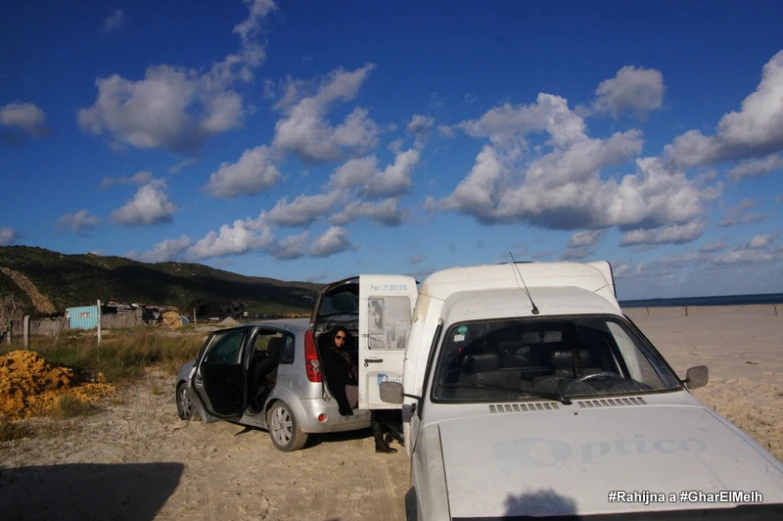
(527, 392)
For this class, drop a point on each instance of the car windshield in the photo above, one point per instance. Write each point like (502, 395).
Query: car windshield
(553, 357)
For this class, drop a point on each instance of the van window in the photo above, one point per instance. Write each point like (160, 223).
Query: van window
(551, 357)
(389, 322)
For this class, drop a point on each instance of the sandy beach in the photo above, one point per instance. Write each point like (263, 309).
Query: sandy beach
(135, 459)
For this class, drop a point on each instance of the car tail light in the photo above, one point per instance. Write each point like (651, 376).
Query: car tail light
(312, 362)
(322, 417)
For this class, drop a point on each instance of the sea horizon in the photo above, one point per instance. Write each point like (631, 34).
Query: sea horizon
(719, 300)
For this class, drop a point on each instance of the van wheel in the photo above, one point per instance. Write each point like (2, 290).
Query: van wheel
(284, 429)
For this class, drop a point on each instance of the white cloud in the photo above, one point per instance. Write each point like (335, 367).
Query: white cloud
(745, 257)
(756, 167)
(333, 241)
(175, 107)
(585, 238)
(717, 245)
(354, 172)
(240, 237)
(305, 130)
(762, 241)
(79, 222)
(114, 21)
(149, 206)
(756, 130)
(671, 234)
(395, 179)
(304, 209)
(292, 247)
(576, 254)
(25, 116)
(563, 189)
(253, 173)
(139, 178)
(446, 131)
(690, 257)
(632, 89)
(190, 161)
(386, 212)
(416, 259)
(164, 251)
(736, 214)
(8, 236)
(421, 127)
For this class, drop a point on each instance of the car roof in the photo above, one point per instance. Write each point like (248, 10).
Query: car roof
(294, 325)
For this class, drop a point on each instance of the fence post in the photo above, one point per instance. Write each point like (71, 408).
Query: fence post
(26, 332)
(10, 332)
(99, 321)
(194, 316)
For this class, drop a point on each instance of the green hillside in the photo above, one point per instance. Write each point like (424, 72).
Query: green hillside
(74, 280)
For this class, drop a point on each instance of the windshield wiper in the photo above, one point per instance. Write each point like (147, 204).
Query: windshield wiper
(565, 400)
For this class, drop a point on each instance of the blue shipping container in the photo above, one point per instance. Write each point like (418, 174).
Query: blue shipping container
(84, 317)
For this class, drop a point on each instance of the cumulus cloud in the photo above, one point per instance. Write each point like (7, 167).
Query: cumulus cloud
(756, 167)
(446, 131)
(240, 237)
(637, 90)
(255, 172)
(139, 178)
(755, 130)
(421, 127)
(114, 21)
(305, 130)
(671, 234)
(333, 241)
(149, 206)
(576, 254)
(80, 222)
(304, 209)
(8, 236)
(177, 108)
(762, 241)
(713, 246)
(164, 251)
(585, 238)
(738, 214)
(564, 188)
(292, 247)
(25, 116)
(394, 180)
(386, 212)
(690, 257)
(746, 257)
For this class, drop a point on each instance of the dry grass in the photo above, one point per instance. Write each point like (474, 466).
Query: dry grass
(13, 430)
(122, 355)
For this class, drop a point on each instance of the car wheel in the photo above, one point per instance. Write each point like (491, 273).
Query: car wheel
(284, 429)
(185, 407)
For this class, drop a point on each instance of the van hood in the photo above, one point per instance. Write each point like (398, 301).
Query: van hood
(565, 462)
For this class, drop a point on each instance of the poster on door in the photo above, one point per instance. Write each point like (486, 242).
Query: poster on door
(389, 322)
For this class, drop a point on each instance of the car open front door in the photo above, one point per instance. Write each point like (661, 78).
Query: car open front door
(220, 379)
(386, 305)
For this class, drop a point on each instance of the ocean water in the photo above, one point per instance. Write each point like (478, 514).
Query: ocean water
(724, 300)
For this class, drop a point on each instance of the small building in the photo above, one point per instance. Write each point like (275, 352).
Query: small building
(82, 317)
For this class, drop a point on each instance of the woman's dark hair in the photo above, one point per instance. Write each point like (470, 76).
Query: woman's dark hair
(337, 329)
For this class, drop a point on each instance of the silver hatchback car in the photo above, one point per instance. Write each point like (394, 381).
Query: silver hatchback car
(266, 375)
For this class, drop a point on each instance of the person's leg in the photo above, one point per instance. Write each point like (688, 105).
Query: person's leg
(381, 445)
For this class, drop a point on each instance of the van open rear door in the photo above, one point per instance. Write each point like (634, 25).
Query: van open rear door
(386, 305)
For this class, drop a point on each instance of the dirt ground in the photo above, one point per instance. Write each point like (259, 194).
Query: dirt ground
(135, 460)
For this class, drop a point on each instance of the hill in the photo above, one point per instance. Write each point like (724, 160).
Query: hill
(45, 280)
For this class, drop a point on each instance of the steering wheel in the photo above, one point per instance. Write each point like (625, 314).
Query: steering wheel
(595, 376)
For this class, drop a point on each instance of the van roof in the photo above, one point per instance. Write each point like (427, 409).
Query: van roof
(594, 277)
(507, 303)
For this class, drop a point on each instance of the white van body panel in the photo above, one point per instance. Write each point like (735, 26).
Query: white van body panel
(382, 343)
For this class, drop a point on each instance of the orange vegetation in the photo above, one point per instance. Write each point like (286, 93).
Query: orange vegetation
(30, 386)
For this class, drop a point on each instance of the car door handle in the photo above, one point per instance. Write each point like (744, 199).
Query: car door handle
(368, 361)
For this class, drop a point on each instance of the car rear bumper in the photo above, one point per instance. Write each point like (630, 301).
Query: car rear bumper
(334, 421)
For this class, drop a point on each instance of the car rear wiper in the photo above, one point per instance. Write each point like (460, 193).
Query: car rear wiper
(565, 400)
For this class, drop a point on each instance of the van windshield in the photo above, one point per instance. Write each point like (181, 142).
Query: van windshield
(552, 357)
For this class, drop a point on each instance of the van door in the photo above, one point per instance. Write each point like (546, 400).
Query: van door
(386, 305)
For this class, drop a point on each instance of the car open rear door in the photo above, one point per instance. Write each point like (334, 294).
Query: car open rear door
(386, 305)
(220, 378)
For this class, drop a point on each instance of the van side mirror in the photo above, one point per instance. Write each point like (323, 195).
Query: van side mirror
(697, 376)
(392, 392)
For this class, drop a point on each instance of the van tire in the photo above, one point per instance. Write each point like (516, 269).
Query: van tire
(284, 428)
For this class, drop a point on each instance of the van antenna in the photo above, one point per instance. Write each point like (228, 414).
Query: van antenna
(514, 263)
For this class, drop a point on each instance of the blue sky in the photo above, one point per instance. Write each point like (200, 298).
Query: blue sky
(315, 140)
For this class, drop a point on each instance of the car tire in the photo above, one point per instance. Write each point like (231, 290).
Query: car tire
(284, 429)
(185, 407)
